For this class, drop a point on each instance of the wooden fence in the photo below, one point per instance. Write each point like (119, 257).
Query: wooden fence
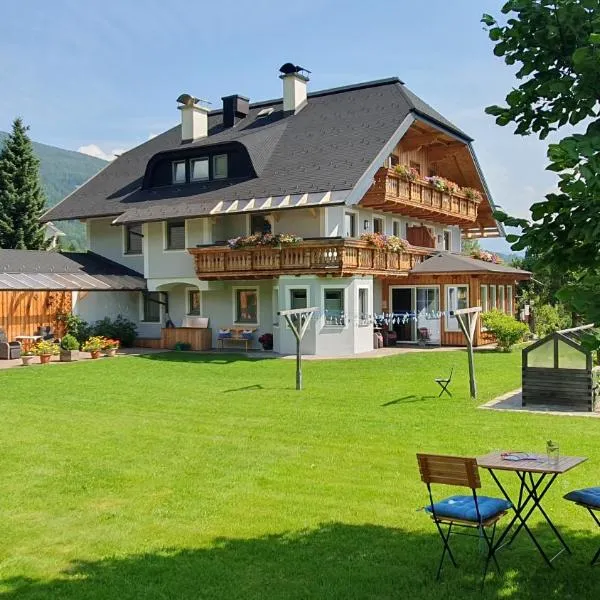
(22, 312)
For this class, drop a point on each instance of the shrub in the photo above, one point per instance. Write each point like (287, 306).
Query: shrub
(549, 319)
(505, 328)
(121, 329)
(69, 342)
(75, 326)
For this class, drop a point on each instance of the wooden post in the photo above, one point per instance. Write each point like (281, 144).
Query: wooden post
(467, 321)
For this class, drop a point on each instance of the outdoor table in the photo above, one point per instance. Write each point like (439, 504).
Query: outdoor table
(536, 476)
(28, 340)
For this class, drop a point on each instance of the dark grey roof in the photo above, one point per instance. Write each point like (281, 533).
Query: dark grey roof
(445, 262)
(326, 147)
(40, 270)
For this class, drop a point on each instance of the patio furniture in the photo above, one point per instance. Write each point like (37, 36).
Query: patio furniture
(424, 336)
(28, 341)
(8, 350)
(470, 512)
(444, 383)
(536, 475)
(237, 335)
(589, 498)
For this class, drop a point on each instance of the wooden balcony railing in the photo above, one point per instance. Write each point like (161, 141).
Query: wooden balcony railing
(419, 199)
(327, 256)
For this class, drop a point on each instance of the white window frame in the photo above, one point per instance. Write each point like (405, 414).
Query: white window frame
(125, 232)
(161, 309)
(356, 224)
(205, 159)
(187, 301)
(345, 299)
(502, 298)
(382, 220)
(166, 239)
(483, 287)
(275, 306)
(359, 321)
(174, 171)
(234, 290)
(510, 300)
(398, 223)
(493, 293)
(214, 162)
(450, 323)
(449, 232)
(288, 297)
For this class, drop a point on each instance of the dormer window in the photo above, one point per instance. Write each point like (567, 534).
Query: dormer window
(179, 172)
(220, 166)
(199, 169)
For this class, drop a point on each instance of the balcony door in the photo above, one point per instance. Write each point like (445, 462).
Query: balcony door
(415, 309)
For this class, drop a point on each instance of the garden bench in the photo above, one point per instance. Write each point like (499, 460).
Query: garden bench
(237, 335)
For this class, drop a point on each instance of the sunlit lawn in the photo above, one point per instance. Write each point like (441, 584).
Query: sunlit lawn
(180, 476)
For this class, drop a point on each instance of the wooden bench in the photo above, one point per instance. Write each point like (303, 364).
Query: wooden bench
(237, 336)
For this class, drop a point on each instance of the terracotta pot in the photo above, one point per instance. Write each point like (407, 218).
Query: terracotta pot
(45, 358)
(27, 360)
(95, 353)
(111, 352)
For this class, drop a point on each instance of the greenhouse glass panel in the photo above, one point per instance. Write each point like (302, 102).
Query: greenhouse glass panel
(543, 356)
(569, 357)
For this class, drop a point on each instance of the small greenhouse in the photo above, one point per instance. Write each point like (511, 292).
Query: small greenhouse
(558, 370)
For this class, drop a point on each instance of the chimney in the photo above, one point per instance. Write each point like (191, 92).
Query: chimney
(194, 118)
(235, 108)
(295, 79)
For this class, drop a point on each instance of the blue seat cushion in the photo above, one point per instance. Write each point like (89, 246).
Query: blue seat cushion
(587, 496)
(463, 507)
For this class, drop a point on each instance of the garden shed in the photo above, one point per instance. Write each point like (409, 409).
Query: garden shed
(559, 370)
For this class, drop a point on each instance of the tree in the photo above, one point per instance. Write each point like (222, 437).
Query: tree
(470, 245)
(22, 200)
(556, 46)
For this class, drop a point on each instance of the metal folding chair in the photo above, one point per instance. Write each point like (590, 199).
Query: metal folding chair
(444, 383)
(589, 498)
(466, 512)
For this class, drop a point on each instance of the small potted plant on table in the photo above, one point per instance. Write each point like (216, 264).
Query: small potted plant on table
(94, 346)
(266, 339)
(69, 348)
(110, 347)
(27, 357)
(46, 349)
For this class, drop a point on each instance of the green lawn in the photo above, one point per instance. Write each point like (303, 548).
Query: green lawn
(179, 476)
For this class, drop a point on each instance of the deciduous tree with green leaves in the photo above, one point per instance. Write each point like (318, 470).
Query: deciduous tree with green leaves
(555, 45)
(22, 200)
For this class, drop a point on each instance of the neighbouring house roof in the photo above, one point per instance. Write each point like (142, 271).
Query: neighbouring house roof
(41, 270)
(314, 157)
(446, 262)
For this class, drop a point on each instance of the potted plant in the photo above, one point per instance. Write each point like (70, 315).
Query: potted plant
(46, 349)
(407, 172)
(110, 347)
(69, 348)
(27, 357)
(266, 339)
(94, 345)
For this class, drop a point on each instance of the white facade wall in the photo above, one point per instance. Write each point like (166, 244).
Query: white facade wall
(109, 241)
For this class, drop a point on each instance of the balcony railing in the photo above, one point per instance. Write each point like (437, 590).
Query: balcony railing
(419, 199)
(327, 256)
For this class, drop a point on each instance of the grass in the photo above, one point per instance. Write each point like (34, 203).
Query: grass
(180, 476)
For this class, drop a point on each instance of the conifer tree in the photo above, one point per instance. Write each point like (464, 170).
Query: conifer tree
(22, 200)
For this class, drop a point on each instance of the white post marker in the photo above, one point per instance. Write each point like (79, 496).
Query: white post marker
(298, 319)
(467, 320)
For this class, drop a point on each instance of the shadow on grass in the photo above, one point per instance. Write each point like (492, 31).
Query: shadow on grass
(335, 561)
(217, 358)
(409, 400)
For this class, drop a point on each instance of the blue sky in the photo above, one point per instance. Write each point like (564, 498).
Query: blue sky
(106, 74)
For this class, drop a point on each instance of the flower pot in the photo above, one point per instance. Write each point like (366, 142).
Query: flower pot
(267, 347)
(95, 354)
(45, 358)
(110, 352)
(27, 360)
(69, 355)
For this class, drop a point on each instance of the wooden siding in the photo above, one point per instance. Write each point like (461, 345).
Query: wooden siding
(565, 387)
(198, 339)
(22, 312)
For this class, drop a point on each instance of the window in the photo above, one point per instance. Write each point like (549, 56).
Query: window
(349, 225)
(220, 166)
(333, 305)
(175, 235)
(133, 239)
(151, 307)
(363, 307)
(275, 307)
(394, 160)
(509, 299)
(193, 307)
(246, 305)
(447, 240)
(179, 172)
(457, 297)
(484, 298)
(258, 224)
(377, 225)
(501, 304)
(493, 297)
(298, 298)
(199, 170)
(397, 228)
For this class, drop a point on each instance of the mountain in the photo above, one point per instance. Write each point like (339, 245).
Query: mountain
(61, 171)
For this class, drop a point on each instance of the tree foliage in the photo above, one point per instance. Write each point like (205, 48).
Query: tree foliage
(22, 200)
(556, 47)
(505, 328)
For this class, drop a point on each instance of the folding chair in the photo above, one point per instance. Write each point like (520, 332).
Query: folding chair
(589, 498)
(470, 512)
(444, 383)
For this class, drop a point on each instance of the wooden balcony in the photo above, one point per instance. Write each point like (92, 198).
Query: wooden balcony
(419, 199)
(326, 256)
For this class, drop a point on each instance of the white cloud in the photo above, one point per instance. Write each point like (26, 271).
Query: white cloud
(94, 150)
